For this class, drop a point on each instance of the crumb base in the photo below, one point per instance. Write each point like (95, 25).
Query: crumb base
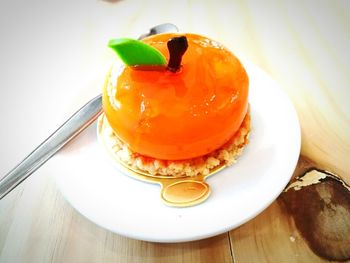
(224, 156)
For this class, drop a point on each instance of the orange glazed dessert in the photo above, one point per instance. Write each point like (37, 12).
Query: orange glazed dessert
(180, 122)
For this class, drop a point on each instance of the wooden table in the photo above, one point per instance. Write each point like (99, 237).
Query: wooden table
(54, 58)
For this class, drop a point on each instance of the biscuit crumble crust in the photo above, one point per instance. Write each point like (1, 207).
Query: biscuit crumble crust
(225, 155)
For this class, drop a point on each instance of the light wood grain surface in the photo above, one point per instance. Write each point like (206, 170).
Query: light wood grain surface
(54, 58)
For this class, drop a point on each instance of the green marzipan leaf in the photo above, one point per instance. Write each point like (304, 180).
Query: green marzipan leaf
(137, 53)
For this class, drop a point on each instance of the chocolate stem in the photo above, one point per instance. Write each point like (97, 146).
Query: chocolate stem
(177, 46)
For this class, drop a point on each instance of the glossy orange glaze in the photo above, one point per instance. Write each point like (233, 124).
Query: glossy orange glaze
(174, 116)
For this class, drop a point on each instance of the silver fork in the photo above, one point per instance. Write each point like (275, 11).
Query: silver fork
(65, 133)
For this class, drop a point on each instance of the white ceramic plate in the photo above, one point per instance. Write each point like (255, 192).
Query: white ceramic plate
(115, 201)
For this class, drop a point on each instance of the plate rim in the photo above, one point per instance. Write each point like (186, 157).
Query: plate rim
(249, 67)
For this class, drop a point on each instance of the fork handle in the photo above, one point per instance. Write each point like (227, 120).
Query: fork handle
(66, 132)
